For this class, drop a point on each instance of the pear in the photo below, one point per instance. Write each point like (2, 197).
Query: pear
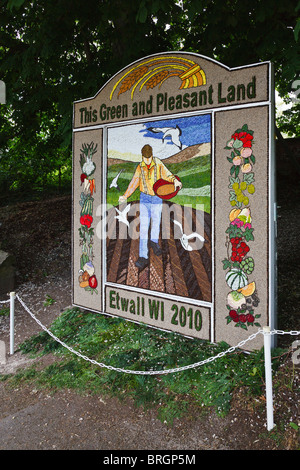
(245, 215)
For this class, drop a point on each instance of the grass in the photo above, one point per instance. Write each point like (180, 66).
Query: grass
(125, 345)
(48, 301)
(4, 311)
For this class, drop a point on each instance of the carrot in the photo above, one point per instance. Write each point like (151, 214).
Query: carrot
(92, 186)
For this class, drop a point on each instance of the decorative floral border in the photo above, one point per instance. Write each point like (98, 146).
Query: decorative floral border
(87, 278)
(242, 299)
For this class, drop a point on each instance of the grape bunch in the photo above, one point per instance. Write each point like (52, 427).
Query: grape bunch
(247, 265)
(238, 188)
(239, 249)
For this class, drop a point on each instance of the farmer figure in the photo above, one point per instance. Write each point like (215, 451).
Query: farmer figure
(147, 173)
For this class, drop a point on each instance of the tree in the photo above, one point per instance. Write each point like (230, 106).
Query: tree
(53, 53)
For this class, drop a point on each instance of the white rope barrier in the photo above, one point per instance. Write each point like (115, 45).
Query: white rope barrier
(266, 331)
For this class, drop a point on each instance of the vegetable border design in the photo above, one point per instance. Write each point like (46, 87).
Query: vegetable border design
(242, 299)
(87, 279)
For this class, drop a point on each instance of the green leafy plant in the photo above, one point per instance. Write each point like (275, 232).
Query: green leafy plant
(294, 426)
(48, 301)
(4, 311)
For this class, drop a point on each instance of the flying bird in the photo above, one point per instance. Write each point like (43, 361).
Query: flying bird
(114, 183)
(173, 132)
(185, 238)
(122, 215)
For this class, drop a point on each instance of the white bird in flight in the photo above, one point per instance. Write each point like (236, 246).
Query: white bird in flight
(122, 215)
(114, 183)
(185, 238)
(173, 132)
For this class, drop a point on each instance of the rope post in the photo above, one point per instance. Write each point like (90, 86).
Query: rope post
(12, 321)
(268, 377)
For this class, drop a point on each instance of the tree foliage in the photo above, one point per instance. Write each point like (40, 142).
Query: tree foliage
(53, 53)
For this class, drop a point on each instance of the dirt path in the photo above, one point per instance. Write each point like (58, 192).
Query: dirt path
(68, 421)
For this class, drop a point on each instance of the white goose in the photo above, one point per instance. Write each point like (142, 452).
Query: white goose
(185, 238)
(122, 215)
(114, 183)
(173, 132)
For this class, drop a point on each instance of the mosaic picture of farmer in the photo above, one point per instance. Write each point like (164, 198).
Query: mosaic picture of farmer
(144, 162)
(148, 172)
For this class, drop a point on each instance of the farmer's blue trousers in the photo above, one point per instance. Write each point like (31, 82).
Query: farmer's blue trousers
(150, 211)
